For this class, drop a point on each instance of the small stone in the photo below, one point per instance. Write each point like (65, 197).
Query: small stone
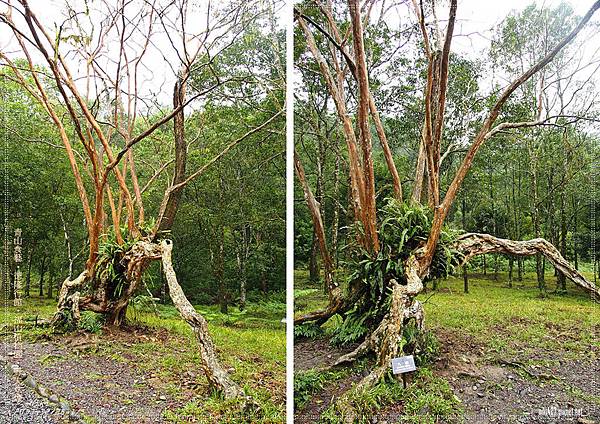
(30, 382)
(53, 399)
(43, 392)
(474, 388)
(480, 394)
(511, 377)
(162, 397)
(15, 369)
(481, 381)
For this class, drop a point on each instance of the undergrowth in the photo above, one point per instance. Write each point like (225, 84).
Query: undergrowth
(429, 399)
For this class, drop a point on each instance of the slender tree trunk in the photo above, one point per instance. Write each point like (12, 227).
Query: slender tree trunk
(28, 276)
(484, 265)
(510, 271)
(575, 246)
(561, 281)
(315, 211)
(336, 209)
(67, 243)
(219, 271)
(42, 274)
(539, 265)
(242, 258)
(465, 272)
(313, 263)
(51, 277)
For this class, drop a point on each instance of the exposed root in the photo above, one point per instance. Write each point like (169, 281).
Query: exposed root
(134, 262)
(386, 339)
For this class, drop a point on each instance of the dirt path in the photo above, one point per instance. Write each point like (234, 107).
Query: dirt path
(493, 389)
(107, 388)
(20, 404)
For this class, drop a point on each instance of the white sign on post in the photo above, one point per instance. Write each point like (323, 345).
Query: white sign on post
(403, 364)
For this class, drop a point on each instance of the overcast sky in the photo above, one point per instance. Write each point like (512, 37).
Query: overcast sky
(475, 18)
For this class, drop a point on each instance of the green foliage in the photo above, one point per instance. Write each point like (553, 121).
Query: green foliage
(308, 330)
(65, 322)
(91, 322)
(306, 384)
(353, 328)
(428, 399)
(422, 344)
(403, 229)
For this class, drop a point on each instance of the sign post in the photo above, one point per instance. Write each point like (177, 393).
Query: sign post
(404, 366)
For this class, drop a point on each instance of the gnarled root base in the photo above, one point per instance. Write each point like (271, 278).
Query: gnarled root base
(68, 313)
(386, 340)
(134, 262)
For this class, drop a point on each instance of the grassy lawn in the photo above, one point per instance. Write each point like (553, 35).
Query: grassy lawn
(251, 345)
(504, 318)
(519, 314)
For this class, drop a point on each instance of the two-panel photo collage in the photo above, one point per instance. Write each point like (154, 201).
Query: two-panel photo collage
(300, 211)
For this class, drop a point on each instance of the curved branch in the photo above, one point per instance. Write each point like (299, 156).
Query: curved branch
(474, 244)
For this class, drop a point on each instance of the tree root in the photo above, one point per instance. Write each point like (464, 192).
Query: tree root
(68, 308)
(135, 261)
(386, 339)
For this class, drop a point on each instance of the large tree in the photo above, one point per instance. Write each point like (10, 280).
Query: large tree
(91, 76)
(408, 242)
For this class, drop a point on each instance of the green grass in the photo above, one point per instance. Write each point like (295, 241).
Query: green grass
(514, 318)
(250, 343)
(429, 399)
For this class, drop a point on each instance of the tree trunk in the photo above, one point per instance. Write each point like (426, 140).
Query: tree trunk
(313, 263)
(28, 276)
(520, 269)
(219, 271)
(214, 372)
(319, 229)
(484, 265)
(42, 274)
(67, 243)
(561, 281)
(170, 202)
(510, 271)
(50, 281)
(336, 209)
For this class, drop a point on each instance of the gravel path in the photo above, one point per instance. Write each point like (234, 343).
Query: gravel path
(19, 404)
